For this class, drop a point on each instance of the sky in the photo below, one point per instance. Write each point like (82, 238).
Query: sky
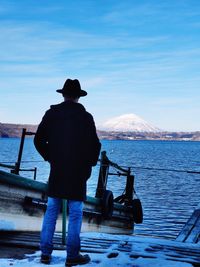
(131, 56)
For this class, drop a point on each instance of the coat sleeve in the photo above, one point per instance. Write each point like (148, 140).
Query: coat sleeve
(94, 143)
(41, 138)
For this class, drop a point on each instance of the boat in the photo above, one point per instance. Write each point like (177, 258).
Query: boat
(23, 201)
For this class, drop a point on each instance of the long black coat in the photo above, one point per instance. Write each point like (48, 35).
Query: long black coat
(66, 137)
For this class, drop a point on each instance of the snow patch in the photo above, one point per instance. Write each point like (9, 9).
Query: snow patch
(128, 123)
(123, 258)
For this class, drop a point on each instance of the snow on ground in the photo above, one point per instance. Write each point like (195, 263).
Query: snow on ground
(101, 260)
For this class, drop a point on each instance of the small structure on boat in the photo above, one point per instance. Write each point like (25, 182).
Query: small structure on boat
(23, 201)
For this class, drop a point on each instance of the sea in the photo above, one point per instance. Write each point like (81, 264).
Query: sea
(167, 178)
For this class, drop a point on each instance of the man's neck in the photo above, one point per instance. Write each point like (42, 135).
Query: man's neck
(71, 99)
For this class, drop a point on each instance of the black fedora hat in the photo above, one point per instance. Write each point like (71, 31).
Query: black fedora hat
(72, 88)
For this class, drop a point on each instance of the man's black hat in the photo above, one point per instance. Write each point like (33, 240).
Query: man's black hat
(72, 88)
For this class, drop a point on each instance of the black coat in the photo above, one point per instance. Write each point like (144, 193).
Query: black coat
(66, 137)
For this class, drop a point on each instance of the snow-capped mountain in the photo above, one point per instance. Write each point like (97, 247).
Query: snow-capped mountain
(128, 123)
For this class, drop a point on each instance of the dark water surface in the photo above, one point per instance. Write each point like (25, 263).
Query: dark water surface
(168, 197)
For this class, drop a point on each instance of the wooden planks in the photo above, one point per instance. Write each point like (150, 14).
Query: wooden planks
(191, 231)
(32, 240)
(110, 246)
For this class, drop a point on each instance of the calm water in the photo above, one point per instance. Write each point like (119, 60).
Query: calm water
(168, 197)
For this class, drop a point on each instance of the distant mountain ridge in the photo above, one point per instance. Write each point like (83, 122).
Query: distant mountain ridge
(8, 130)
(162, 136)
(15, 130)
(128, 123)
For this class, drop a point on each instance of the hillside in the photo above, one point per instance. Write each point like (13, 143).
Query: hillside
(171, 136)
(14, 130)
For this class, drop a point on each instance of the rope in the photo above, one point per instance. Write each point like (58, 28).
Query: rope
(163, 169)
(30, 161)
(23, 161)
(7, 166)
(112, 164)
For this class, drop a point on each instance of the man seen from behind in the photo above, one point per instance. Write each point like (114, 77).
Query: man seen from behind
(67, 139)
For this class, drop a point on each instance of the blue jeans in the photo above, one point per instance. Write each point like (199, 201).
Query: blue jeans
(74, 226)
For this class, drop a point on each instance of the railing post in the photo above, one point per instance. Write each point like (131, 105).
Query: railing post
(64, 220)
(129, 187)
(103, 175)
(17, 164)
(35, 173)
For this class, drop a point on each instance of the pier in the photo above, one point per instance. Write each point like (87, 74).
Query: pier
(185, 249)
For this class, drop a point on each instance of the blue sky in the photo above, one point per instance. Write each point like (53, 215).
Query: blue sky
(132, 56)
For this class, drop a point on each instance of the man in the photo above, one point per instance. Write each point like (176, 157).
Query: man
(67, 139)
